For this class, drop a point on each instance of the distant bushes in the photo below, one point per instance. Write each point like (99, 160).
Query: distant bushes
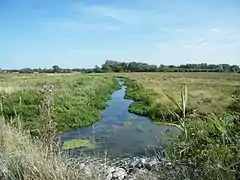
(116, 66)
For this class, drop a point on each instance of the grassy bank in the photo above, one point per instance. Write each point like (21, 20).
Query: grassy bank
(210, 141)
(207, 93)
(210, 148)
(73, 101)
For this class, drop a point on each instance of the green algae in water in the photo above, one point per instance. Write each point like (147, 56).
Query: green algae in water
(74, 143)
(128, 123)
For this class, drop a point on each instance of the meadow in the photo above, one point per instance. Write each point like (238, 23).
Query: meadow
(204, 106)
(207, 92)
(74, 100)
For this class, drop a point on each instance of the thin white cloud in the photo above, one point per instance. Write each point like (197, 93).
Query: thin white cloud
(184, 42)
(175, 53)
(107, 11)
(124, 15)
(201, 46)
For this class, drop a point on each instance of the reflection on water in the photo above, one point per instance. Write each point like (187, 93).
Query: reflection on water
(121, 133)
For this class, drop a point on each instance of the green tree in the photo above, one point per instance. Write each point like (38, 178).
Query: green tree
(56, 69)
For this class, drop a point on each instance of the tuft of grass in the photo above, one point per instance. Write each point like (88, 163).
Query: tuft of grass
(181, 107)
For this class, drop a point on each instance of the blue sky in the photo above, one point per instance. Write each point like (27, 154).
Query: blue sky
(84, 33)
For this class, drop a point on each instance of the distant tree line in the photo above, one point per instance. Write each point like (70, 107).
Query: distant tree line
(54, 69)
(115, 66)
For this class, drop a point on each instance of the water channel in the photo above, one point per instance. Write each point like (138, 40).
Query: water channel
(121, 133)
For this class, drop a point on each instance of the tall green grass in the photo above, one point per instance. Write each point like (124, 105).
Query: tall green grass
(76, 102)
(209, 146)
(144, 103)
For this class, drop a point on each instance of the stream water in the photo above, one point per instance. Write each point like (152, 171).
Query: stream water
(123, 134)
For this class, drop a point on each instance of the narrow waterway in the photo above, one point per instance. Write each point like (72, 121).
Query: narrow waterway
(123, 134)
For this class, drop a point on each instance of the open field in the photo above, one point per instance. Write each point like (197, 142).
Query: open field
(206, 92)
(207, 148)
(75, 100)
(14, 82)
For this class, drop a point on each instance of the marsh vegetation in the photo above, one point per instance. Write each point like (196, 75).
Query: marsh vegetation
(205, 107)
(76, 100)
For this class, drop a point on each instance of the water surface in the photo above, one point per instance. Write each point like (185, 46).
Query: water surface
(123, 134)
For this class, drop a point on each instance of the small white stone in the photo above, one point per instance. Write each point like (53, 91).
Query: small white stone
(168, 164)
(111, 169)
(143, 161)
(119, 174)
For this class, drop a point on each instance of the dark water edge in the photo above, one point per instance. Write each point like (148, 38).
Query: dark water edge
(121, 134)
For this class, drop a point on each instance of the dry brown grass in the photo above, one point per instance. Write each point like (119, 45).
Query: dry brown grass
(25, 158)
(16, 82)
(208, 92)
